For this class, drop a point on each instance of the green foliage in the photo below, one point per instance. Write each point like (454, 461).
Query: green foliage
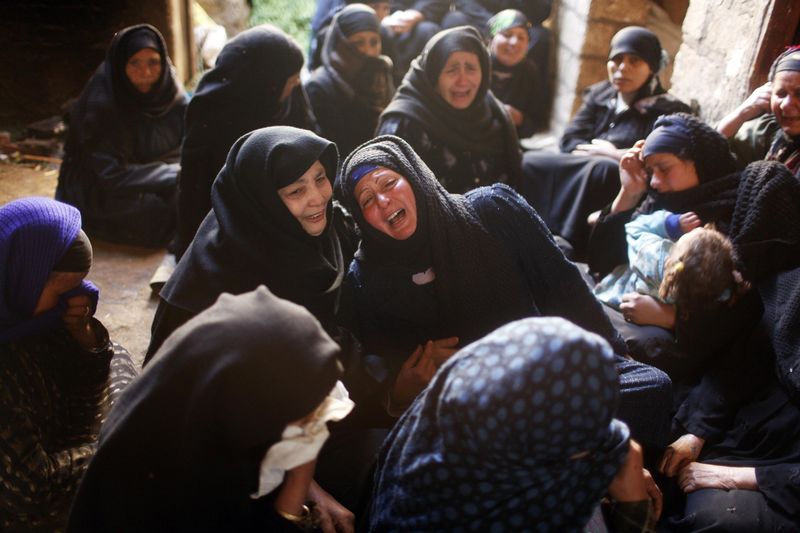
(292, 16)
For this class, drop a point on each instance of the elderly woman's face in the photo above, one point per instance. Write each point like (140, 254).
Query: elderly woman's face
(510, 46)
(387, 202)
(143, 69)
(671, 173)
(785, 102)
(460, 79)
(628, 72)
(307, 199)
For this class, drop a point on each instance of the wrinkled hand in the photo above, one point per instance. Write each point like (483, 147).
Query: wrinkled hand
(680, 453)
(757, 103)
(514, 114)
(331, 515)
(646, 310)
(704, 476)
(76, 320)
(441, 350)
(599, 147)
(402, 21)
(634, 483)
(689, 221)
(414, 375)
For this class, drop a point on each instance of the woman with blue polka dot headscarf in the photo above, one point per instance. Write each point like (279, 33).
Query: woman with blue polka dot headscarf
(515, 432)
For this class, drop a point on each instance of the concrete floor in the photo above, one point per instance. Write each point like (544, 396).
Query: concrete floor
(121, 272)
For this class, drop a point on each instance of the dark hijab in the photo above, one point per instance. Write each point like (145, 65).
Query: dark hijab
(37, 237)
(242, 91)
(489, 444)
(250, 238)
(181, 449)
(365, 80)
(478, 285)
(110, 93)
(642, 43)
(713, 199)
(483, 127)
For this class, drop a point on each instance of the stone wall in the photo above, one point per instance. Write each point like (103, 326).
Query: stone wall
(721, 44)
(50, 49)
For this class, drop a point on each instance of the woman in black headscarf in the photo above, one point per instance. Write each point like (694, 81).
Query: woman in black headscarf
(516, 80)
(354, 84)
(445, 110)
(565, 188)
(191, 445)
(252, 235)
(435, 265)
(121, 156)
(254, 83)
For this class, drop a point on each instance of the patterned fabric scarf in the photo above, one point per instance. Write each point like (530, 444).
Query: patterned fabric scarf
(34, 234)
(786, 150)
(515, 431)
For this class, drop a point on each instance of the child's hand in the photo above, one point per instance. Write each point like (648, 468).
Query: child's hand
(689, 221)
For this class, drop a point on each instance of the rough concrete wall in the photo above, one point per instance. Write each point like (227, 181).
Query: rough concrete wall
(721, 40)
(50, 49)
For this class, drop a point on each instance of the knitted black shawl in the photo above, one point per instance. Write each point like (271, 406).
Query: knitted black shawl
(478, 286)
(765, 228)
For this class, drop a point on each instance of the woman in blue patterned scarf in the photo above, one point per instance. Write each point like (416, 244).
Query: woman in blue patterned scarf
(516, 431)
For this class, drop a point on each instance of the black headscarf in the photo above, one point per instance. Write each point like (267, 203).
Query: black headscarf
(250, 238)
(713, 199)
(242, 91)
(483, 127)
(181, 449)
(642, 43)
(366, 80)
(109, 94)
(477, 282)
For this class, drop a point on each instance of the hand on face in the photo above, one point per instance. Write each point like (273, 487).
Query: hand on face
(689, 221)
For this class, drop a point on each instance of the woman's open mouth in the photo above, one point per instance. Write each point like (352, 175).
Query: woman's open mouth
(397, 217)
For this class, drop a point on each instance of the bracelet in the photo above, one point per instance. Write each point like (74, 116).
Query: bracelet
(304, 520)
